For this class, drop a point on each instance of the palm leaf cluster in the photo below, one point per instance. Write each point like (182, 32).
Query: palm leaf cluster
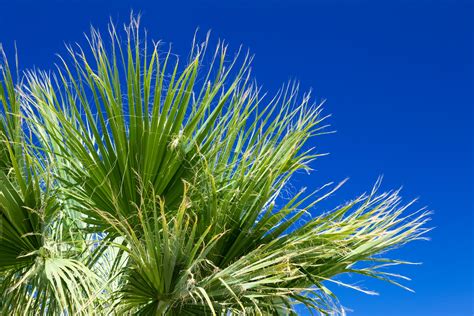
(133, 183)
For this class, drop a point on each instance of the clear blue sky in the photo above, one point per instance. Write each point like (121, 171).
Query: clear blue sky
(398, 77)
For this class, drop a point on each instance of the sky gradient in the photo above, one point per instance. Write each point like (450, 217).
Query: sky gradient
(398, 80)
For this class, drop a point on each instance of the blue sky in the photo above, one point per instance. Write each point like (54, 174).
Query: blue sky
(398, 79)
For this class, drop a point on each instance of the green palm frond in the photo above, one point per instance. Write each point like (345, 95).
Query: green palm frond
(10, 121)
(24, 205)
(120, 118)
(39, 264)
(133, 183)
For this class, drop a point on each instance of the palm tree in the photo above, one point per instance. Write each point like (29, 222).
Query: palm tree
(131, 183)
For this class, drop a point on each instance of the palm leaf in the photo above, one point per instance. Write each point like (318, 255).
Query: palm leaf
(133, 183)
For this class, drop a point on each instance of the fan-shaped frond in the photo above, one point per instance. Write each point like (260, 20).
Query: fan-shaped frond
(133, 183)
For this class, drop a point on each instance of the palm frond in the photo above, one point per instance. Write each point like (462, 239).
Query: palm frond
(133, 183)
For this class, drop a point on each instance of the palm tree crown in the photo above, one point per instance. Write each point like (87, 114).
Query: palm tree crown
(131, 183)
